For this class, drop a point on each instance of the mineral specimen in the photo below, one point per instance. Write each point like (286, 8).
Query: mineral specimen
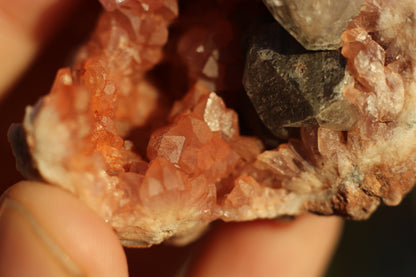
(316, 24)
(292, 88)
(82, 136)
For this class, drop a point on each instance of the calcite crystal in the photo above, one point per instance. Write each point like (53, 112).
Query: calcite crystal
(316, 24)
(86, 134)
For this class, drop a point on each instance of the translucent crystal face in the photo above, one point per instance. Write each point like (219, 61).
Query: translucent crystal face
(316, 24)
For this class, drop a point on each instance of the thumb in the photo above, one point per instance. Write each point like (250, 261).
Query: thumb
(45, 231)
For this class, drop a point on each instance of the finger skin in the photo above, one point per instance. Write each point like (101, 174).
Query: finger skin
(24, 26)
(72, 240)
(270, 248)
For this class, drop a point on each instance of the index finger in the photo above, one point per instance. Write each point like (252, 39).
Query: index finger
(24, 26)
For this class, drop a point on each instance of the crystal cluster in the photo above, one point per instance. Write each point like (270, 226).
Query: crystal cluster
(198, 167)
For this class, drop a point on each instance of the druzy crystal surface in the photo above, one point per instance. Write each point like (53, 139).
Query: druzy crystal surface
(159, 170)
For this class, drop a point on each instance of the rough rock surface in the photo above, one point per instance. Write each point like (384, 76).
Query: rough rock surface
(198, 167)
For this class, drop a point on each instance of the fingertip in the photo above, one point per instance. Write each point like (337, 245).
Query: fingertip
(69, 236)
(24, 26)
(270, 248)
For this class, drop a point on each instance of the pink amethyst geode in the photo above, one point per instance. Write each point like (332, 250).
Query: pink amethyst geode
(85, 136)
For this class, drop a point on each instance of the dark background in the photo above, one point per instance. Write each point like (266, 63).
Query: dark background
(384, 245)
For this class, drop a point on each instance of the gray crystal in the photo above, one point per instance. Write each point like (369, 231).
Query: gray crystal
(292, 87)
(316, 24)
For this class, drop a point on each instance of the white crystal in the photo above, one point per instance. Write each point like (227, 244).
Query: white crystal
(316, 24)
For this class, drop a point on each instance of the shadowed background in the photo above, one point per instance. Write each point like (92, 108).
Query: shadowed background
(385, 245)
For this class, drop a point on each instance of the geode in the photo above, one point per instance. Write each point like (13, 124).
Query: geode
(85, 136)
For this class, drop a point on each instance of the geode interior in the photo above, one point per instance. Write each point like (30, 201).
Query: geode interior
(131, 87)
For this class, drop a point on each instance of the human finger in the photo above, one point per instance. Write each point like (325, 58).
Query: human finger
(45, 231)
(24, 26)
(270, 248)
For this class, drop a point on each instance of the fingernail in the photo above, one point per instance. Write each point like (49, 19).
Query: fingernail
(27, 249)
(183, 271)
